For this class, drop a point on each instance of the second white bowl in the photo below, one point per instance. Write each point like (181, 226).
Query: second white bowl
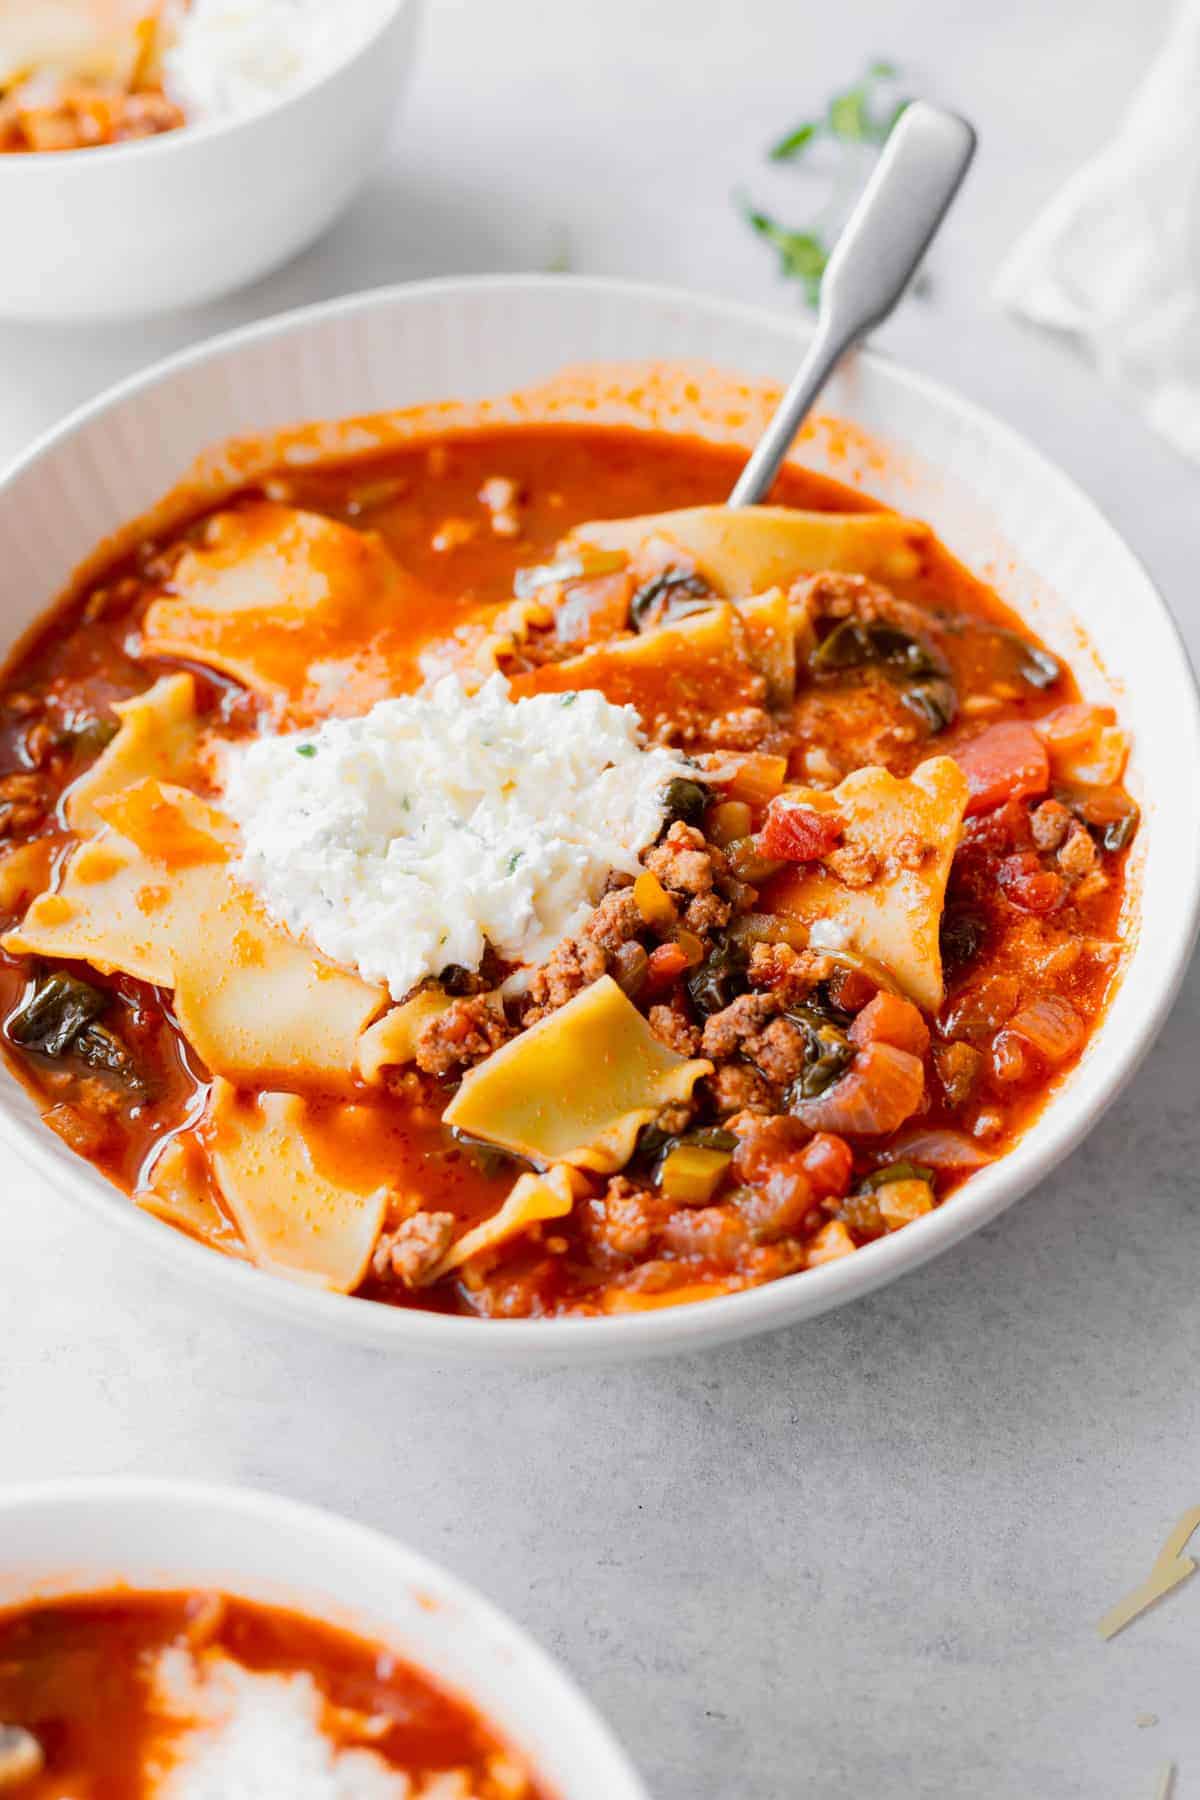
(75, 1537)
(172, 221)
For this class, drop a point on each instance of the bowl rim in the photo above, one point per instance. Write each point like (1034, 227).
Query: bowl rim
(575, 1716)
(810, 1292)
(175, 143)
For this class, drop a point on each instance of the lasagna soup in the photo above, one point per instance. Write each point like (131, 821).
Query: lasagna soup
(191, 1696)
(497, 878)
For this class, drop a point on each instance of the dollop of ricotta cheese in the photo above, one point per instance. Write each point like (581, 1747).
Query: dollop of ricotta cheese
(436, 824)
(240, 1735)
(226, 58)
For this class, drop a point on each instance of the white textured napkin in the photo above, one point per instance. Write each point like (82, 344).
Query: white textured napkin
(1115, 257)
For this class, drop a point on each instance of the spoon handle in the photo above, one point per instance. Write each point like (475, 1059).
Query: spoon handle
(874, 260)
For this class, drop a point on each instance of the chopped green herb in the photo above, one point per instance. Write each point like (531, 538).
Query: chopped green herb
(795, 141)
(857, 115)
(513, 860)
(802, 255)
(306, 749)
(569, 699)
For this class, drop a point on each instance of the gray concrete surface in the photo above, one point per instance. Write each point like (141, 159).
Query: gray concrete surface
(866, 1556)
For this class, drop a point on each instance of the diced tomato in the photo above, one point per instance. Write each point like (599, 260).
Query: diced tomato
(889, 1019)
(665, 965)
(795, 833)
(1028, 885)
(766, 1143)
(1005, 762)
(850, 989)
(828, 1162)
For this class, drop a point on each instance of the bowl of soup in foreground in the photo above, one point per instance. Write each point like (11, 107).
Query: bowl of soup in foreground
(870, 876)
(239, 1632)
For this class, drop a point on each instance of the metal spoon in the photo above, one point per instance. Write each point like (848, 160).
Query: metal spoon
(874, 260)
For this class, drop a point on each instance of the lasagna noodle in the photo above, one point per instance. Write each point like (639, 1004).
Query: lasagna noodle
(301, 1182)
(577, 1087)
(533, 1200)
(307, 612)
(179, 1191)
(157, 738)
(153, 896)
(909, 829)
(709, 662)
(744, 550)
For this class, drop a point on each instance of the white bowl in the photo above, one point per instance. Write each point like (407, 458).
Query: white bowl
(74, 1537)
(171, 221)
(991, 497)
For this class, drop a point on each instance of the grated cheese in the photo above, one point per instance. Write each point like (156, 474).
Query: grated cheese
(1171, 1567)
(410, 838)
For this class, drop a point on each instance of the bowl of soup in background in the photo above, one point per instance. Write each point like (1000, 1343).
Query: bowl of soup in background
(670, 362)
(65, 1539)
(157, 223)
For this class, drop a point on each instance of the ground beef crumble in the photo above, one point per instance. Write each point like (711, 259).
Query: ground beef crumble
(413, 1251)
(672, 1025)
(685, 862)
(617, 920)
(726, 1032)
(464, 1034)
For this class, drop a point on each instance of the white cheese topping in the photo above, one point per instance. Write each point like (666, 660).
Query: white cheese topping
(249, 1735)
(231, 57)
(405, 840)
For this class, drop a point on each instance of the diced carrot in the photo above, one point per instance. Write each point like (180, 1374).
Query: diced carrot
(882, 1087)
(754, 777)
(828, 1162)
(889, 1019)
(1005, 762)
(795, 833)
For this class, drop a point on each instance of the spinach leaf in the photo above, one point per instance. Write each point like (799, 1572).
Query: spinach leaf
(828, 1052)
(927, 691)
(674, 593)
(55, 1014)
(685, 800)
(720, 979)
(61, 1018)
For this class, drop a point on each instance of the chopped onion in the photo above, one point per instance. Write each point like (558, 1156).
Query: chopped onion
(1052, 1027)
